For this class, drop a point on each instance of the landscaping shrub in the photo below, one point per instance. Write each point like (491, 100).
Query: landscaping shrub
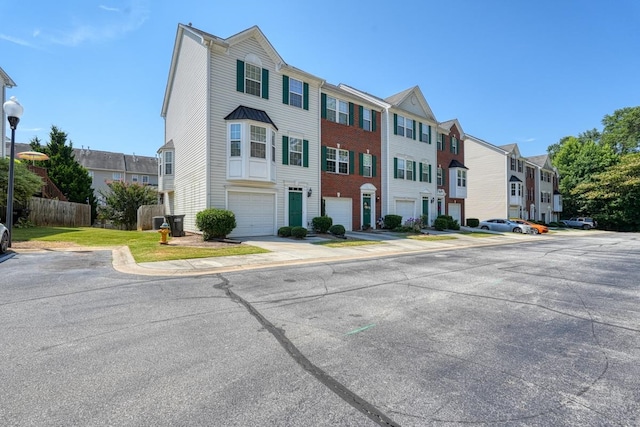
(555, 224)
(284, 231)
(299, 232)
(337, 230)
(473, 222)
(322, 223)
(215, 223)
(392, 221)
(412, 225)
(440, 223)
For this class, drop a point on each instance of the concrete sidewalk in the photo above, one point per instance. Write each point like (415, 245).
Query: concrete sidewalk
(294, 252)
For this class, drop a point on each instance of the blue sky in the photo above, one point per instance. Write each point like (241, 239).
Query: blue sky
(528, 72)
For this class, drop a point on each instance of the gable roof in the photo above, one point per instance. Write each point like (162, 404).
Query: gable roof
(449, 123)
(5, 79)
(400, 98)
(222, 45)
(248, 113)
(456, 164)
(365, 95)
(543, 161)
(341, 91)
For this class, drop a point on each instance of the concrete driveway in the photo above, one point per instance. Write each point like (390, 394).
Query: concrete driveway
(544, 332)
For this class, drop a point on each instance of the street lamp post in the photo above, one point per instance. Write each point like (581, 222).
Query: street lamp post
(13, 110)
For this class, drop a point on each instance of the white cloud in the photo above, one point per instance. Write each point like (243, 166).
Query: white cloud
(16, 40)
(109, 9)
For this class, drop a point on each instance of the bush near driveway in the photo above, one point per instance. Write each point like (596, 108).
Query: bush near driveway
(215, 223)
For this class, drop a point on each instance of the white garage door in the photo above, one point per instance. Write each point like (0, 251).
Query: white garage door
(255, 214)
(406, 209)
(455, 212)
(339, 209)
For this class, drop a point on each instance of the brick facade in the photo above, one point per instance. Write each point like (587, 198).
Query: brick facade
(445, 156)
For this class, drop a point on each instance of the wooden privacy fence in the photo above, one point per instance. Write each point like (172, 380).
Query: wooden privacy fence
(146, 214)
(55, 213)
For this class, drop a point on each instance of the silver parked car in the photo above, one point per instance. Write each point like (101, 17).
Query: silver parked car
(500, 224)
(4, 238)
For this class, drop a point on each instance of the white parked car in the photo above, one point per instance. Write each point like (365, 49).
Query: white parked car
(4, 238)
(500, 224)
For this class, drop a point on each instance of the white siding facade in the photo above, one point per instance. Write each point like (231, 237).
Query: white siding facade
(486, 180)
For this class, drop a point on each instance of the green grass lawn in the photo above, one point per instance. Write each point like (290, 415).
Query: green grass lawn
(346, 243)
(144, 246)
(478, 234)
(433, 237)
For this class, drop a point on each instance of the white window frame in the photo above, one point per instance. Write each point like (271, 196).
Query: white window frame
(425, 173)
(400, 126)
(343, 112)
(273, 147)
(440, 141)
(252, 79)
(366, 119)
(409, 170)
(462, 178)
(134, 178)
(424, 136)
(401, 169)
(408, 128)
(440, 176)
(235, 140)
(454, 145)
(332, 109)
(295, 97)
(145, 179)
(168, 162)
(257, 143)
(295, 151)
(337, 161)
(367, 165)
(116, 176)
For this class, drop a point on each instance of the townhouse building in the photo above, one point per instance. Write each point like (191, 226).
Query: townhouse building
(408, 155)
(546, 203)
(242, 132)
(451, 175)
(350, 158)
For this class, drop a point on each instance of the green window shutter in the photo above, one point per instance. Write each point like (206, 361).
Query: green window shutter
(240, 76)
(420, 131)
(429, 136)
(352, 160)
(351, 112)
(373, 121)
(395, 124)
(323, 106)
(395, 167)
(305, 153)
(265, 83)
(360, 119)
(305, 96)
(429, 174)
(285, 150)
(323, 154)
(414, 171)
(421, 171)
(373, 166)
(414, 131)
(361, 161)
(285, 90)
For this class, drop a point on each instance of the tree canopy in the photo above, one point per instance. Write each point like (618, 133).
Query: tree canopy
(599, 173)
(122, 201)
(25, 183)
(63, 169)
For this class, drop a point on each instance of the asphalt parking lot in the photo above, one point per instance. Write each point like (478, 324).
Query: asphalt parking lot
(541, 332)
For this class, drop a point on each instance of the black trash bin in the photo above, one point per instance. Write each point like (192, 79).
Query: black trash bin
(176, 225)
(157, 222)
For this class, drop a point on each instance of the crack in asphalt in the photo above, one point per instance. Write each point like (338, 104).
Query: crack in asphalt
(331, 383)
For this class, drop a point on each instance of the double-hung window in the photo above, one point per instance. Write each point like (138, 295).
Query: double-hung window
(295, 92)
(410, 171)
(520, 165)
(400, 174)
(440, 177)
(513, 163)
(235, 141)
(145, 179)
(426, 172)
(425, 134)
(441, 141)
(400, 127)
(134, 178)
(295, 151)
(454, 145)
(168, 162)
(116, 176)
(343, 112)
(462, 178)
(408, 126)
(337, 160)
(367, 165)
(258, 142)
(366, 119)
(252, 79)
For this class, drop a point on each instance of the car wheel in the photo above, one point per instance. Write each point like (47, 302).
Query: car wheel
(536, 231)
(586, 227)
(484, 227)
(517, 230)
(4, 242)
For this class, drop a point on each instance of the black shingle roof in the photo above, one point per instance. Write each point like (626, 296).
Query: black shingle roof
(248, 113)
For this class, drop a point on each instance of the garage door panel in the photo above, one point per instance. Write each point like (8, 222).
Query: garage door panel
(340, 211)
(455, 211)
(255, 214)
(405, 208)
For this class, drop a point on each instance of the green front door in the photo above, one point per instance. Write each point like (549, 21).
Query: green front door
(366, 211)
(295, 209)
(425, 209)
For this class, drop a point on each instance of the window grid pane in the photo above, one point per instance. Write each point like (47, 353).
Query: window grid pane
(258, 142)
(344, 113)
(366, 119)
(295, 92)
(295, 151)
(253, 78)
(366, 165)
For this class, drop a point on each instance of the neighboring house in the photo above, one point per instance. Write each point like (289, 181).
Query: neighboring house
(547, 201)
(408, 154)
(350, 158)
(5, 82)
(451, 172)
(105, 167)
(498, 187)
(242, 132)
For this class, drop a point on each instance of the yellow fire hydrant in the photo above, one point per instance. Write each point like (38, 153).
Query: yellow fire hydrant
(164, 231)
